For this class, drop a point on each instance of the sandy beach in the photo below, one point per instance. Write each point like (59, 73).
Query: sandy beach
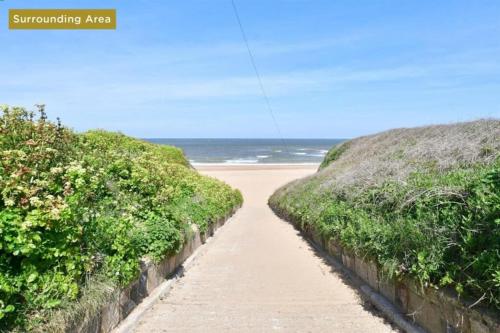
(259, 275)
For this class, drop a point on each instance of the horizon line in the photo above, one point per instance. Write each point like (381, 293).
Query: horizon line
(232, 138)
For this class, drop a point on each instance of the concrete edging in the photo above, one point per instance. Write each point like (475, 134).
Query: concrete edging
(411, 308)
(154, 281)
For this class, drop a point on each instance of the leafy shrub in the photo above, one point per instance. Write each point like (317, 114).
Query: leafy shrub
(73, 206)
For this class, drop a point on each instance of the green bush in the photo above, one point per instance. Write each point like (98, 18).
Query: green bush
(333, 154)
(441, 227)
(77, 205)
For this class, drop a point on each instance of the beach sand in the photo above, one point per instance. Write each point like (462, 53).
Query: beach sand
(258, 274)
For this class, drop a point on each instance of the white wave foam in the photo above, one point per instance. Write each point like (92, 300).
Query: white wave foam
(240, 161)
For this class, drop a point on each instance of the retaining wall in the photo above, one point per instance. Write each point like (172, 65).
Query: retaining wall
(151, 276)
(436, 311)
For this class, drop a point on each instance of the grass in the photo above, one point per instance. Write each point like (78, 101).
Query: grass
(94, 294)
(421, 202)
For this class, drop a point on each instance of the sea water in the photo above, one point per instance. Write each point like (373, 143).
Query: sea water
(252, 151)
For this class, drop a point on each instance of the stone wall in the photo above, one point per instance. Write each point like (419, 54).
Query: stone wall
(436, 311)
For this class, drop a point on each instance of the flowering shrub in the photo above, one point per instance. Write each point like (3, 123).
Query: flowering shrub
(74, 205)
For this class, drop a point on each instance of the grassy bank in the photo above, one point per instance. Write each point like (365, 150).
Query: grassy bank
(78, 212)
(421, 202)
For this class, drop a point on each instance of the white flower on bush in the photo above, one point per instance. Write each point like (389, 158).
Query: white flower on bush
(55, 213)
(41, 183)
(80, 182)
(76, 169)
(36, 202)
(56, 170)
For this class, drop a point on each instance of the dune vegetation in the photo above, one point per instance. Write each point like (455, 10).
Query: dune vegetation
(79, 211)
(421, 202)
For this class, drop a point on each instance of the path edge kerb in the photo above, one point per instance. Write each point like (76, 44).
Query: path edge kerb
(401, 301)
(123, 310)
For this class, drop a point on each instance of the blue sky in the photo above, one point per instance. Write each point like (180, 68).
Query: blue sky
(331, 68)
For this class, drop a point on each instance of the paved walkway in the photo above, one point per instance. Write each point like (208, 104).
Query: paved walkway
(259, 275)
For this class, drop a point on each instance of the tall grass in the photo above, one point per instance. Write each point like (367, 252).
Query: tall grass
(422, 202)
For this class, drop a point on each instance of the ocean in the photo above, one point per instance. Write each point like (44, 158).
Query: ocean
(252, 151)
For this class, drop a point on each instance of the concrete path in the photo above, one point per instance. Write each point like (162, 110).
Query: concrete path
(259, 275)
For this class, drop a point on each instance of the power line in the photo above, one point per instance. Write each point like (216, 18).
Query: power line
(259, 79)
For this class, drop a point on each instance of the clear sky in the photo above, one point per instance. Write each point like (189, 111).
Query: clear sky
(331, 68)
